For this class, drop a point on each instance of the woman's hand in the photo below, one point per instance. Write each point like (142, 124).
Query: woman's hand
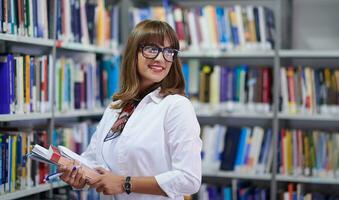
(107, 182)
(73, 175)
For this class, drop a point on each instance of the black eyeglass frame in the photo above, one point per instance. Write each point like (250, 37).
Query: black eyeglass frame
(142, 46)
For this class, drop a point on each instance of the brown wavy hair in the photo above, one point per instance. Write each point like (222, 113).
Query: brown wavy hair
(148, 31)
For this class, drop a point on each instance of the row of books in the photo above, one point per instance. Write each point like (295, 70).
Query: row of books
(26, 83)
(88, 22)
(81, 82)
(77, 20)
(308, 153)
(309, 90)
(249, 150)
(297, 191)
(85, 85)
(26, 18)
(232, 192)
(218, 88)
(216, 27)
(17, 172)
(243, 150)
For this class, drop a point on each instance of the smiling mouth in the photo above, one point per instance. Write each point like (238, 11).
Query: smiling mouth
(156, 67)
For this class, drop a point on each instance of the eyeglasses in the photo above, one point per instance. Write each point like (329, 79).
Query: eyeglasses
(151, 51)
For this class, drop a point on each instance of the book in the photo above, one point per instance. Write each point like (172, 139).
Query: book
(62, 156)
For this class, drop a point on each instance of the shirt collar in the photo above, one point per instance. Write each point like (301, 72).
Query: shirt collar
(155, 95)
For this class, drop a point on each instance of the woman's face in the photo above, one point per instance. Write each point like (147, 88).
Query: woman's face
(150, 68)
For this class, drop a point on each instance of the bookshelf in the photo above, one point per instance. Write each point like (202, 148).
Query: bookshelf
(26, 40)
(218, 54)
(86, 48)
(56, 45)
(23, 117)
(34, 190)
(80, 113)
(233, 175)
(302, 38)
(291, 46)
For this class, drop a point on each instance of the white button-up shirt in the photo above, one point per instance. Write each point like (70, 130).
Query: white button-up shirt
(161, 139)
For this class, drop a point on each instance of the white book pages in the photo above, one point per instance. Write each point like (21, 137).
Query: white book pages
(71, 155)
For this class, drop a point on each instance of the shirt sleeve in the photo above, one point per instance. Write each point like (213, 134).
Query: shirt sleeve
(182, 131)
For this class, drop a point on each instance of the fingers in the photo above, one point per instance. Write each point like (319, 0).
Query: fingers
(70, 174)
(101, 170)
(100, 188)
(82, 182)
(66, 172)
(79, 175)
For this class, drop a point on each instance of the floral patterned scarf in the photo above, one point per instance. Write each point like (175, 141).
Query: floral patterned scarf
(120, 123)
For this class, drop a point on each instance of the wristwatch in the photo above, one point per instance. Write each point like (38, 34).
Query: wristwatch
(127, 185)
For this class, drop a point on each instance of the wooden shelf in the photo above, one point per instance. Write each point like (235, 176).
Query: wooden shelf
(236, 175)
(80, 113)
(308, 53)
(86, 48)
(304, 179)
(239, 115)
(217, 2)
(21, 117)
(32, 190)
(26, 40)
(308, 117)
(230, 54)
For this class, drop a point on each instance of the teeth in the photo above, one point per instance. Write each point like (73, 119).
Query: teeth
(156, 67)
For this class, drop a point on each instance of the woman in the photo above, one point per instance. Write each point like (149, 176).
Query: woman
(153, 153)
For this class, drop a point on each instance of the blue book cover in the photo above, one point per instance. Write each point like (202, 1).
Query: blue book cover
(227, 193)
(115, 75)
(144, 13)
(231, 142)
(78, 33)
(39, 25)
(235, 93)
(186, 72)
(239, 161)
(212, 192)
(223, 84)
(230, 78)
(35, 18)
(90, 14)
(59, 20)
(266, 148)
(256, 21)
(234, 31)
(5, 87)
(11, 75)
(221, 26)
(73, 19)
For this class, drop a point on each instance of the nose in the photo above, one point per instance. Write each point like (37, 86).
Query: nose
(160, 56)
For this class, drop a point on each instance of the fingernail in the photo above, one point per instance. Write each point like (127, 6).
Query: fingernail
(73, 176)
(74, 168)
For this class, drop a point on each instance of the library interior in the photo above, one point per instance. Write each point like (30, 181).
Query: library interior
(262, 77)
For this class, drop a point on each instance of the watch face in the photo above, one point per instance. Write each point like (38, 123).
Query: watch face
(127, 185)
